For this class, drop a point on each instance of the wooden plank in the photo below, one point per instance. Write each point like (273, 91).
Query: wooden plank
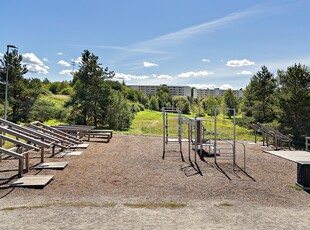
(27, 146)
(10, 153)
(26, 130)
(63, 138)
(52, 165)
(24, 137)
(37, 123)
(68, 153)
(81, 146)
(300, 157)
(33, 181)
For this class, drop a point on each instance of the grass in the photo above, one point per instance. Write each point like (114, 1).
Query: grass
(225, 204)
(95, 205)
(155, 205)
(151, 123)
(61, 204)
(53, 122)
(58, 100)
(296, 187)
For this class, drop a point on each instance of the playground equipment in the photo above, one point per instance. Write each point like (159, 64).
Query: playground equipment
(172, 130)
(205, 136)
(85, 130)
(269, 133)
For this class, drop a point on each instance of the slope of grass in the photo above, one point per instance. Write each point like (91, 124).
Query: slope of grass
(151, 123)
(58, 100)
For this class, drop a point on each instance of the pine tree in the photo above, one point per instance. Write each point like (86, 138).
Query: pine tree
(295, 101)
(260, 96)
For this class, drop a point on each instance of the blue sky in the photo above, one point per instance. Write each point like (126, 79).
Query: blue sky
(201, 43)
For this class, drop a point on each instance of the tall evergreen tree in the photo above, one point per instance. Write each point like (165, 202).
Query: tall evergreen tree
(22, 92)
(294, 101)
(259, 96)
(88, 84)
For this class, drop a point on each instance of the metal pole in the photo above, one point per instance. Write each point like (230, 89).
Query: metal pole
(7, 80)
(164, 132)
(215, 149)
(234, 143)
(6, 84)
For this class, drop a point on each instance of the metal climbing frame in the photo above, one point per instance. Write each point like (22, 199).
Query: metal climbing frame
(172, 130)
(206, 135)
(225, 139)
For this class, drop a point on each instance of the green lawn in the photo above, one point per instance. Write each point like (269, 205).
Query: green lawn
(58, 100)
(150, 123)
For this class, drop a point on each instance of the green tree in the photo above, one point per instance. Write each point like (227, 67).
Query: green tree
(118, 111)
(22, 92)
(260, 98)
(88, 84)
(154, 103)
(180, 102)
(164, 96)
(230, 101)
(187, 108)
(42, 110)
(209, 104)
(294, 100)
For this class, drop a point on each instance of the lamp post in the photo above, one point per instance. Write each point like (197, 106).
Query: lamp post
(7, 80)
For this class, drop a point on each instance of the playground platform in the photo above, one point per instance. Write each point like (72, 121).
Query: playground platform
(302, 158)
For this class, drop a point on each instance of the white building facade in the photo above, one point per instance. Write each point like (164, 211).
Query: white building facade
(185, 91)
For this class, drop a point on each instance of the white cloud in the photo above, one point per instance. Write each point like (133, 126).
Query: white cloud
(239, 63)
(149, 64)
(194, 74)
(189, 32)
(37, 69)
(1, 54)
(78, 60)
(34, 64)
(205, 60)
(60, 53)
(31, 58)
(129, 77)
(163, 76)
(155, 45)
(63, 63)
(245, 72)
(45, 59)
(67, 72)
(225, 86)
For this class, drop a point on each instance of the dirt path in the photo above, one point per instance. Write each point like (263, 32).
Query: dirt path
(126, 185)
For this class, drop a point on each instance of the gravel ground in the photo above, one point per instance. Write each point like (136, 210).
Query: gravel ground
(125, 184)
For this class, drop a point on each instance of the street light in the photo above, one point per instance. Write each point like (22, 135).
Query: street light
(7, 80)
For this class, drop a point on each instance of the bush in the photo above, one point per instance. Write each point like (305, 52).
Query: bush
(67, 91)
(243, 121)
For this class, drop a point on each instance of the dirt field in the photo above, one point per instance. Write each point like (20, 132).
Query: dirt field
(125, 184)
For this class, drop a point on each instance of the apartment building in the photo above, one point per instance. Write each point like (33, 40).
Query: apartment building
(174, 90)
(217, 92)
(185, 91)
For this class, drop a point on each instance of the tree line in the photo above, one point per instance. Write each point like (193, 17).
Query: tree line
(282, 101)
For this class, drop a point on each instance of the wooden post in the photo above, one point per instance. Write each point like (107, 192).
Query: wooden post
(42, 154)
(53, 150)
(27, 161)
(20, 162)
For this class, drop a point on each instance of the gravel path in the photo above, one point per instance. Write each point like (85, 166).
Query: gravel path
(125, 184)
